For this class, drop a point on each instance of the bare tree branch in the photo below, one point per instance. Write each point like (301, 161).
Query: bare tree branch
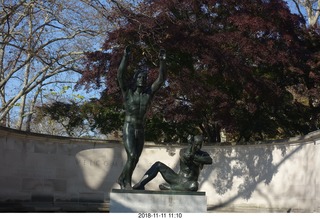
(40, 40)
(312, 8)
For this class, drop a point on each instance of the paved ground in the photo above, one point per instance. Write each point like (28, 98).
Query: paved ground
(96, 207)
(14, 207)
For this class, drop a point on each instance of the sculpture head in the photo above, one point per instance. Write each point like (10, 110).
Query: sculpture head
(141, 79)
(197, 142)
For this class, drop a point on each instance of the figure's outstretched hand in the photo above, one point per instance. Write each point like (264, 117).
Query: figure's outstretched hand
(162, 54)
(127, 50)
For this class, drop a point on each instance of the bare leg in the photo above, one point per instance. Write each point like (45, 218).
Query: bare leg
(167, 173)
(187, 186)
(164, 186)
(148, 176)
(133, 143)
(124, 179)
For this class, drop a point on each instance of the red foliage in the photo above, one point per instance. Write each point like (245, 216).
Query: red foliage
(223, 56)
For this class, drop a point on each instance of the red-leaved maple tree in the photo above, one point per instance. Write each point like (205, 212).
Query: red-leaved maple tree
(232, 66)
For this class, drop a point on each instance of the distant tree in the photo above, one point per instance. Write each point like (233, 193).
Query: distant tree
(41, 45)
(68, 116)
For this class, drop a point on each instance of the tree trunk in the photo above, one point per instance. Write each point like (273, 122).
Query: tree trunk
(212, 131)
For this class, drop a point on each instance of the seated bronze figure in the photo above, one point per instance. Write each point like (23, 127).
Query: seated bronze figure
(192, 160)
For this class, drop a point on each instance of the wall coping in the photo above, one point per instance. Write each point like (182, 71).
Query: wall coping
(5, 131)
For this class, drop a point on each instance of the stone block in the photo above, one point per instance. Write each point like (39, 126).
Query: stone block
(31, 184)
(58, 185)
(11, 183)
(12, 196)
(44, 185)
(45, 148)
(142, 201)
(91, 197)
(40, 197)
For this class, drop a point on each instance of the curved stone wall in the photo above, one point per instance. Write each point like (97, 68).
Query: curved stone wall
(271, 177)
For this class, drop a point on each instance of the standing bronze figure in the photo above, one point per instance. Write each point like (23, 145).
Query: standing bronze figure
(136, 102)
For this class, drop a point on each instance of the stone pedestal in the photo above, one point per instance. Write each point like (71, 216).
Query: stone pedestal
(142, 201)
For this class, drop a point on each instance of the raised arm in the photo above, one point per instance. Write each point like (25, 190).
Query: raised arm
(203, 158)
(162, 72)
(194, 154)
(123, 69)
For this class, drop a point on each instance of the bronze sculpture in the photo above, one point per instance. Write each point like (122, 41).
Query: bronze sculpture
(136, 102)
(192, 160)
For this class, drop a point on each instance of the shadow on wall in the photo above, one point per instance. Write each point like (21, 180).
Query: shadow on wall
(87, 170)
(57, 168)
(249, 165)
(100, 167)
(235, 170)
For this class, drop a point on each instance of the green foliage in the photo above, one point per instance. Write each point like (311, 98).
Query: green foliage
(67, 114)
(160, 130)
(106, 118)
